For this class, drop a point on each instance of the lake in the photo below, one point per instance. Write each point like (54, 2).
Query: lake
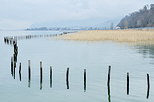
(95, 57)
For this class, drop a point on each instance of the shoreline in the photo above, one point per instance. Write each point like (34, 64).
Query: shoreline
(130, 35)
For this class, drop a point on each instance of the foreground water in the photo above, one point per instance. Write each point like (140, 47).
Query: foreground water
(95, 57)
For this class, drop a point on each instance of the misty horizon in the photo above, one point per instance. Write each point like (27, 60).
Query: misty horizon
(21, 14)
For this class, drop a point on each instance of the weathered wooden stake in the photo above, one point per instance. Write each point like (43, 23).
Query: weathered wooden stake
(84, 79)
(108, 84)
(14, 60)
(67, 78)
(12, 66)
(50, 77)
(29, 73)
(20, 71)
(148, 85)
(109, 72)
(127, 83)
(29, 70)
(41, 76)
(20, 68)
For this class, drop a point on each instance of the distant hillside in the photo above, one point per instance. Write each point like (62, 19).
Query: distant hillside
(142, 18)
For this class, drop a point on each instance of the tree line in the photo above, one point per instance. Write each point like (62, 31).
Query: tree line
(142, 18)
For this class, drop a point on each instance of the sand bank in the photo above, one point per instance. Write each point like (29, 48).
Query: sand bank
(113, 35)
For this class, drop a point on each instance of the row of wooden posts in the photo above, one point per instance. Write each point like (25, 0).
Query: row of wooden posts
(108, 83)
(67, 78)
(41, 75)
(10, 40)
(14, 58)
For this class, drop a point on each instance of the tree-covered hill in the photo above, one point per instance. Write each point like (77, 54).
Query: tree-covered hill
(142, 18)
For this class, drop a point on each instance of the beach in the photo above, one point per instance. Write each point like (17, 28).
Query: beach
(111, 35)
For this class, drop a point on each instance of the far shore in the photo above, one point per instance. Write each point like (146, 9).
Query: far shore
(111, 35)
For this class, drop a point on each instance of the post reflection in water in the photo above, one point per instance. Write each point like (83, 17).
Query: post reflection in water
(14, 72)
(40, 85)
(20, 72)
(67, 83)
(29, 82)
(109, 95)
(20, 76)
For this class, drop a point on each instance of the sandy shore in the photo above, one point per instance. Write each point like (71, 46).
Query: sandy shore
(113, 35)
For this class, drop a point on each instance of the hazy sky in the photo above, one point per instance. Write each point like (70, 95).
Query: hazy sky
(17, 14)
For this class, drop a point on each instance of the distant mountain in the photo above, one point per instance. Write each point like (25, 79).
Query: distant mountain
(108, 24)
(89, 24)
(142, 18)
(68, 23)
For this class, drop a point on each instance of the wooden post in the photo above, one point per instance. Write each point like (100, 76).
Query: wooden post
(20, 68)
(127, 83)
(12, 66)
(41, 76)
(29, 70)
(50, 77)
(108, 84)
(29, 73)
(109, 72)
(41, 72)
(67, 78)
(84, 79)
(14, 60)
(20, 71)
(148, 85)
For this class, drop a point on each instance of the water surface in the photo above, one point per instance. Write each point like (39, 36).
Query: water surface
(95, 57)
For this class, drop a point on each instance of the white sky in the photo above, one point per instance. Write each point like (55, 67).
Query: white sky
(17, 14)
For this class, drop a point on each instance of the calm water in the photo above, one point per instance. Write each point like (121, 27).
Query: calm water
(95, 57)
